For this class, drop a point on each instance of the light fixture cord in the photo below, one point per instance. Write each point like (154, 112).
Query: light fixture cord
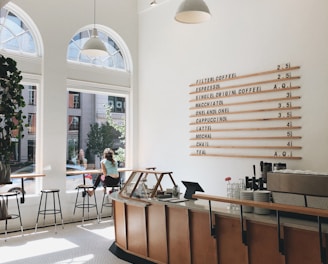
(94, 14)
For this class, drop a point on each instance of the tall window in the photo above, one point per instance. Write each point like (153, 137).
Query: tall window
(117, 104)
(31, 123)
(27, 146)
(74, 100)
(74, 123)
(93, 128)
(16, 38)
(31, 94)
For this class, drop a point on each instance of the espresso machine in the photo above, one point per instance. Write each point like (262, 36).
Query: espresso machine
(254, 183)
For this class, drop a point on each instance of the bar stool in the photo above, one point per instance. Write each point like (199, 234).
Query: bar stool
(108, 202)
(4, 210)
(54, 211)
(85, 203)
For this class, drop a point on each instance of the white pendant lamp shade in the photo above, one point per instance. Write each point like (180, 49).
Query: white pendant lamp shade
(192, 12)
(94, 47)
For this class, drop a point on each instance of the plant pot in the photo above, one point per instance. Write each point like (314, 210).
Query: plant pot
(4, 173)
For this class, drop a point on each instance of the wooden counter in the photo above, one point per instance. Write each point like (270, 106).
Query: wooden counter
(165, 232)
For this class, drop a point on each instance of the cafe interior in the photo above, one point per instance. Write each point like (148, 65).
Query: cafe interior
(220, 97)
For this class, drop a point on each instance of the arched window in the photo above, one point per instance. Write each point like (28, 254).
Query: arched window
(114, 59)
(20, 39)
(15, 34)
(91, 125)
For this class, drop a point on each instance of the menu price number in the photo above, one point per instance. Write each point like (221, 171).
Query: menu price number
(286, 75)
(283, 66)
(282, 86)
(285, 115)
(289, 133)
(285, 105)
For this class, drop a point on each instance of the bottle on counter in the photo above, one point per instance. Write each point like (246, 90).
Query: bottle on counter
(176, 191)
(229, 191)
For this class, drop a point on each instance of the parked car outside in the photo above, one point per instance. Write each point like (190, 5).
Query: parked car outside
(29, 183)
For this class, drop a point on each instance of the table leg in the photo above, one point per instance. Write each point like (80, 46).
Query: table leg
(23, 191)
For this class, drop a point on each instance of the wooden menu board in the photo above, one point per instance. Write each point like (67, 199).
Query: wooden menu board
(256, 115)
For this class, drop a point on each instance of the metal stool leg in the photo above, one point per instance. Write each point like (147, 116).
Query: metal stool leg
(19, 215)
(83, 205)
(102, 203)
(60, 210)
(6, 224)
(45, 208)
(53, 197)
(37, 218)
(77, 195)
(96, 208)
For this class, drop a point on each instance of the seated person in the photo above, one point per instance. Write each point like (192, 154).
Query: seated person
(110, 176)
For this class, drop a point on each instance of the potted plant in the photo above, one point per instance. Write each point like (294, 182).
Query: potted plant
(11, 114)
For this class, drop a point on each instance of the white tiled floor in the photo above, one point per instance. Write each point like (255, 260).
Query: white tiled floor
(74, 244)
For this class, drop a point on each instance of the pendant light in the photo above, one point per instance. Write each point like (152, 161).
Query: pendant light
(94, 47)
(192, 12)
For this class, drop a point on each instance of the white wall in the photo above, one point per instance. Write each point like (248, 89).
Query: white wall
(242, 37)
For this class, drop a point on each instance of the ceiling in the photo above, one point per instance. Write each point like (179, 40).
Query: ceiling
(144, 5)
(3, 2)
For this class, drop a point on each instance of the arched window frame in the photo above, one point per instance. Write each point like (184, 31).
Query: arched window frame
(30, 27)
(105, 80)
(104, 33)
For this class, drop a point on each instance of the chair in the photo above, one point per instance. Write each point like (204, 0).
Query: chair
(85, 203)
(4, 210)
(108, 202)
(54, 211)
